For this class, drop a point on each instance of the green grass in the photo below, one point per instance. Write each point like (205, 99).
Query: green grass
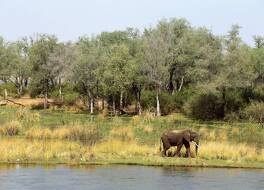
(143, 134)
(252, 133)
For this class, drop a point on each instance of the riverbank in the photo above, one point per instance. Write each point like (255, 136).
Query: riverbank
(165, 162)
(50, 137)
(23, 151)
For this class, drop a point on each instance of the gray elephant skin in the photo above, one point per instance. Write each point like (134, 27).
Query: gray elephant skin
(179, 138)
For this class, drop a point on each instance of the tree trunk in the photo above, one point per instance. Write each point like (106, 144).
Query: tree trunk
(46, 100)
(114, 109)
(181, 84)
(5, 94)
(224, 102)
(91, 105)
(139, 110)
(19, 84)
(21, 89)
(170, 85)
(88, 103)
(60, 90)
(158, 103)
(46, 95)
(121, 100)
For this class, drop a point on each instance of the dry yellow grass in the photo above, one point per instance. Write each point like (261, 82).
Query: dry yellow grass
(76, 132)
(148, 116)
(136, 120)
(38, 133)
(122, 133)
(147, 129)
(11, 128)
(20, 150)
(228, 151)
(235, 130)
(27, 115)
(120, 149)
(14, 150)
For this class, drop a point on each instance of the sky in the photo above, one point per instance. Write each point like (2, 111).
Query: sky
(70, 19)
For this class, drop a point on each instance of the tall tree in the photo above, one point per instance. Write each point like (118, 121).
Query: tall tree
(39, 53)
(61, 63)
(86, 71)
(156, 55)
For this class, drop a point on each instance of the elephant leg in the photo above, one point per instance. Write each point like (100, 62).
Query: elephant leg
(178, 151)
(188, 151)
(166, 146)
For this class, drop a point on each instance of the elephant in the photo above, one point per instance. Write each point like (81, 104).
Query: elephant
(179, 138)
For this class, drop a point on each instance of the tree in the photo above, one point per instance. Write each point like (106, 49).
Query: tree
(39, 53)
(117, 49)
(61, 63)
(236, 71)
(136, 68)
(14, 63)
(259, 41)
(86, 70)
(156, 54)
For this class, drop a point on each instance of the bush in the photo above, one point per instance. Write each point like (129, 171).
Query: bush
(70, 97)
(148, 100)
(234, 101)
(167, 103)
(205, 107)
(255, 111)
(68, 93)
(11, 129)
(10, 87)
(256, 94)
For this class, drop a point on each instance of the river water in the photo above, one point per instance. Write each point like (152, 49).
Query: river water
(17, 177)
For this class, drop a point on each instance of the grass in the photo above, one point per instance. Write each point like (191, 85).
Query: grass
(114, 152)
(66, 137)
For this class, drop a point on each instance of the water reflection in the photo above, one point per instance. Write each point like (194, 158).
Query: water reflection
(27, 177)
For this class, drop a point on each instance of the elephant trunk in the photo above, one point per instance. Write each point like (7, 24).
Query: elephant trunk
(196, 141)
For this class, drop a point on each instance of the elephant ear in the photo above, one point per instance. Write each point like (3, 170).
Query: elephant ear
(187, 136)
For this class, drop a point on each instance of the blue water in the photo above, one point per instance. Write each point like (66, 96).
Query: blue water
(16, 177)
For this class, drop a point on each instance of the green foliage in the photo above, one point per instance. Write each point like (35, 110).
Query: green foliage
(234, 101)
(70, 97)
(148, 99)
(206, 106)
(10, 87)
(255, 111)
(159, 69)
(168, 103)
(34, 89)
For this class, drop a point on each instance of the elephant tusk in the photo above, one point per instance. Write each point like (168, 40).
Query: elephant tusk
(196, 144)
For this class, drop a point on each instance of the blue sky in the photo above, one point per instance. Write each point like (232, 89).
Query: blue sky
(69, 19)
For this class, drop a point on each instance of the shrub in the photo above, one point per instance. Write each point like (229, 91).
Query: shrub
(255, 111)
(11, 129)
(148, 100)
(204, 106)
(234, 101)
(10, 87)
(168, 103)
(68, 92)
(256, 94)
(34, 89)
(70, 98)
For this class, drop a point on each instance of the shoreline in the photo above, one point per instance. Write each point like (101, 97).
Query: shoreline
(131, 162)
